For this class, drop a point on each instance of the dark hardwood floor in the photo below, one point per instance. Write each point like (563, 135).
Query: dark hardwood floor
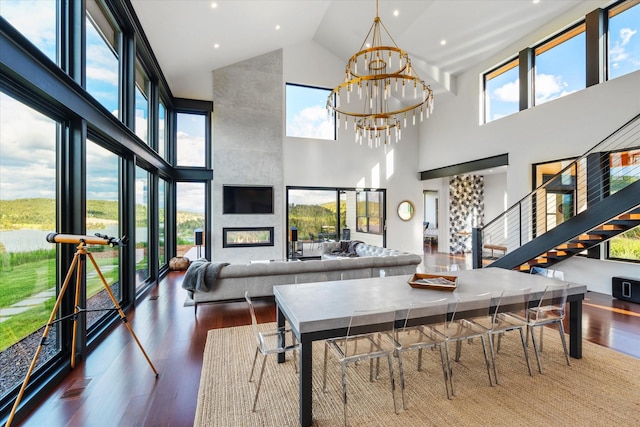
(120, 388)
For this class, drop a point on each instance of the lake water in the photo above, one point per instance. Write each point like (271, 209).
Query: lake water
(30, 240)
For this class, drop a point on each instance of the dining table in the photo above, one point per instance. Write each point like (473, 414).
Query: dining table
(322, 310)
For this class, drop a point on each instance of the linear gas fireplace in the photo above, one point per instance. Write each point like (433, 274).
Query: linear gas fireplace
(244, 237)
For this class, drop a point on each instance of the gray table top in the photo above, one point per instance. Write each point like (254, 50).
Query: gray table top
(312, 307)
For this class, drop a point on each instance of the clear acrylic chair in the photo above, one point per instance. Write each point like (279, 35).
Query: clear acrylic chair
(458, 330)
(416, 335)
(552, 274)
(551, 309)
(511, 305)
(361, 344)
(268, 342)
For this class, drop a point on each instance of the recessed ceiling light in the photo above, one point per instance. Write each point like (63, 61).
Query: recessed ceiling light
(396, 12)
(443, 42)
(216, 45)
(277, 27)
(536, 1)
(214, 5)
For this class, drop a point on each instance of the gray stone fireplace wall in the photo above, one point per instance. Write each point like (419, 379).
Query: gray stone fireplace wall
(247, 138)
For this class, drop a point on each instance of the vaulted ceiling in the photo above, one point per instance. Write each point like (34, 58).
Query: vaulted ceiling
(190, 38)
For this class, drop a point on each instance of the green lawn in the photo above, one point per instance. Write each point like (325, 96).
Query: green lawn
(27, 279)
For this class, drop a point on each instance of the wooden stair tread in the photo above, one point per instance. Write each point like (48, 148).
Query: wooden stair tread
(556, 253)
(588, 237)
(630, 216)
(572, 245)
(610, 227)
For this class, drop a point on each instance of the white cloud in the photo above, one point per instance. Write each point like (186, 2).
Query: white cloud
(27, 151)
(36, 20)
(618, 49)
(549, 87)
(311, 122)
(509, 92)
(190, 149)
(625, 35)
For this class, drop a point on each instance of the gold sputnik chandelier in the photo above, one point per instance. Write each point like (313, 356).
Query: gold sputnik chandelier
(384, 83)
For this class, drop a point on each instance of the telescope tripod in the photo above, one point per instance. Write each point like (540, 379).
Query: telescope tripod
(78, 260)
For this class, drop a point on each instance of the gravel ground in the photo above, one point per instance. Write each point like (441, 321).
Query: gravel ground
(15, 360)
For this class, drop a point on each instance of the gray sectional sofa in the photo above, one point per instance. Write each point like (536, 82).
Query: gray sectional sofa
(211, 282)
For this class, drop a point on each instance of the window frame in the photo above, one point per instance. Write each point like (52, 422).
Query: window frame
(491, 74)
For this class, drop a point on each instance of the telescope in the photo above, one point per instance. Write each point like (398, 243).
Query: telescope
(97, 239)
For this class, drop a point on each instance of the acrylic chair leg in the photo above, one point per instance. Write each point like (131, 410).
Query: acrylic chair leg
(541, 343)
(564, 342)
(344, 392)
(420, 359)
(493, 356)
(393, 383)
(255, 400)
(535, 347)
(401, 370)
(486, 358)
(444, 371)
(449, 370)
(255, 357)
(524, 349)
(324, 371)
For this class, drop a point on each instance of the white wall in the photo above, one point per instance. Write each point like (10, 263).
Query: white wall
(343, 163)
(561, 128)
(495, 192)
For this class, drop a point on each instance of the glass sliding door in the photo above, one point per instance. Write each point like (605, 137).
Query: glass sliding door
(318, 215)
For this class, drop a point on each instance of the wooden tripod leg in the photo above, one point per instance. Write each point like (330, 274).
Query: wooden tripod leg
(80, 254)
(120, 312)
(42, 341)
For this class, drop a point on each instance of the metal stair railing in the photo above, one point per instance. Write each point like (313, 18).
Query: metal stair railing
(608, 167)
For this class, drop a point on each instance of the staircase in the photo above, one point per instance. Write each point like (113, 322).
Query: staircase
(605, 187)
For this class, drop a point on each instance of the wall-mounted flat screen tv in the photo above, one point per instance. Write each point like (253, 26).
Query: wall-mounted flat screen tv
(247, 200)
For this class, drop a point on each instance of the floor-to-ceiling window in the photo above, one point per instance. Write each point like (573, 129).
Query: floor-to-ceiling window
(162, 222)
(142, 227)
(28, 147)
(624, 169)
(103, 217)
(68, 165)
(190, 214)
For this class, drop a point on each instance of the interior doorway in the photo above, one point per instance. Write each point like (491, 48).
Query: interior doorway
(430, 221)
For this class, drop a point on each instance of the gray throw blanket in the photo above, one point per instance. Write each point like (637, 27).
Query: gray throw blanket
(201, 275)
(347, 248)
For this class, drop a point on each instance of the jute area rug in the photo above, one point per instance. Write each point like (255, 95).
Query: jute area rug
(601, 389)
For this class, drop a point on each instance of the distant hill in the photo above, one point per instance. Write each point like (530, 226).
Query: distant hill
(40, 214)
